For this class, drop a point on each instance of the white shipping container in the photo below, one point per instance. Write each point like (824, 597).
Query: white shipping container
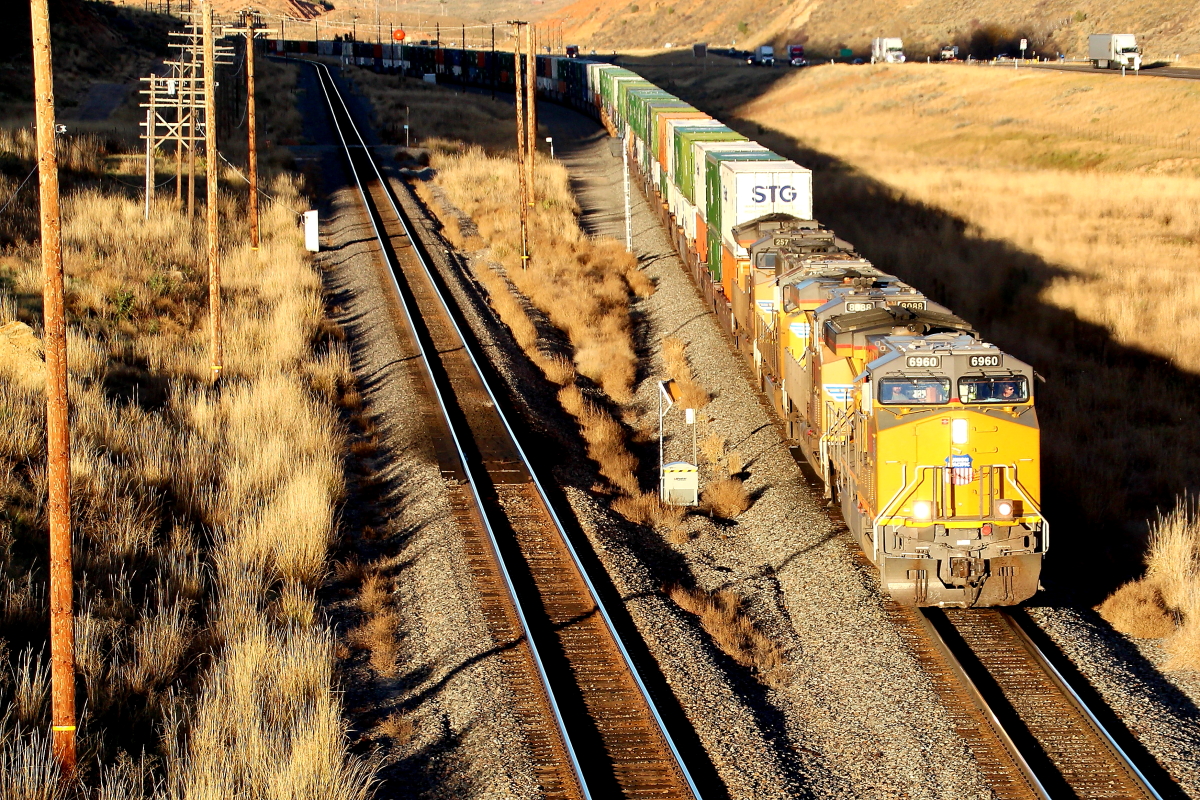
(686, 217)
(656, 173)
(752, 189)
(672, 124)
(700, 178)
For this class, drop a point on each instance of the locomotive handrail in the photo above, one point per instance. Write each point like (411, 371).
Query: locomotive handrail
(823, 443)
(890, 503)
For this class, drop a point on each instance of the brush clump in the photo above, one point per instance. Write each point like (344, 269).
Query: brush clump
(1165, 602)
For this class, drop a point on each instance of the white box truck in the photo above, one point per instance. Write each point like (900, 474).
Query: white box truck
(762, 56)
(1114, 50)
(752, 189)
(888, 50)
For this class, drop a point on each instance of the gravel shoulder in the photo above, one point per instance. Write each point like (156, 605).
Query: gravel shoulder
(851, 683)
(1161, 708)
(440, 720)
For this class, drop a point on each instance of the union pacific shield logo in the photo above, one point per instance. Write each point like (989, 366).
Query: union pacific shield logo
(960, 471)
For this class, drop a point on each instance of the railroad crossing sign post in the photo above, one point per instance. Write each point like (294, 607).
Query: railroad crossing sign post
(678, 481)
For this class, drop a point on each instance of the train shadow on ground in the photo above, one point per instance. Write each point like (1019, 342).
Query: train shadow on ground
(1119, 442)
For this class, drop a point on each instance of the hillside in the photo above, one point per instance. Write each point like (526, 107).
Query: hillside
(92, 41)
(1166, 27)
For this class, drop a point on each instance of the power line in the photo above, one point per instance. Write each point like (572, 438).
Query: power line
(19, 188)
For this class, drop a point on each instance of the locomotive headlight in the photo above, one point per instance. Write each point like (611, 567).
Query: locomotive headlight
(958, 431)
(923, 509)
(1005, 508)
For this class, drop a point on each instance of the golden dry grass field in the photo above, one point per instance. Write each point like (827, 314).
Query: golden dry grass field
(203, 516)
(1164, 27)
(1058, 212)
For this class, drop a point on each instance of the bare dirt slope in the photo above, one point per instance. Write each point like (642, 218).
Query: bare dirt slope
(827, 25)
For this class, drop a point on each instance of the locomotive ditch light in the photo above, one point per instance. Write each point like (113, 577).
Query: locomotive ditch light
(1005, 509)
(923, 510)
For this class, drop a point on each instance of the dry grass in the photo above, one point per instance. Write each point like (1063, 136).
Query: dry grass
(674, 355)
(1163, 26)
(203, 516)
(1169, 593)
(582, 286)
(432, 114)
(1138, 609)
(731, 628)
(726, 498)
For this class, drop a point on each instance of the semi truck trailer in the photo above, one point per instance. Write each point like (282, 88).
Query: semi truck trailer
(887, 51)
(1114, 50)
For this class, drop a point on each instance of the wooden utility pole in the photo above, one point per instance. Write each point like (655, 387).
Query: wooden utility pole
(251, 28)
(58, 432)
(179, 141)
(191, 127)
(210, 179)
(531, 134)
(150, 119)
(252, 135)
(519, 91)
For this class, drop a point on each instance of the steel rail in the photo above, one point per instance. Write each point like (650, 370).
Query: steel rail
(475, 361)
(1076, 700)
(1063, 685)
(1031, 777)
(327, 83)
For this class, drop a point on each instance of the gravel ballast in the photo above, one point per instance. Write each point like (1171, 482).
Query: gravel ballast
(441, 723)
(850, 714)
(1160, 708)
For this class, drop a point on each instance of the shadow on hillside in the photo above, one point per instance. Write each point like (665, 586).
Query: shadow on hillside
(1118, 437)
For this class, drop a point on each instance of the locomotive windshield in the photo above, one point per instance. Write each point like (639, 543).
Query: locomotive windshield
(914, 391)
(1005, 389)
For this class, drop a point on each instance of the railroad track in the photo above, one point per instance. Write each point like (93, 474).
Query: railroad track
(589, 721)
(1037, 734)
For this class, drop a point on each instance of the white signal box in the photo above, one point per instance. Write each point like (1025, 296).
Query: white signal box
(680, 484)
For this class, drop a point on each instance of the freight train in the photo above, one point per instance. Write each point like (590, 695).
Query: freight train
(925, 435)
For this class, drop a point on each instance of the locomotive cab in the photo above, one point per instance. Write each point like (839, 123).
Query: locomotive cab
(937, 467)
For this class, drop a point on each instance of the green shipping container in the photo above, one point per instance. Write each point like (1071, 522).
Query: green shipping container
(655, 109)
(623, 90)
(609, 80)
(640, 103)
(685, 157)
(714, 255)
(678, 133)
(712, 178)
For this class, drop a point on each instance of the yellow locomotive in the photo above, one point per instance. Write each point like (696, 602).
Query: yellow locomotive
(924, 434)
